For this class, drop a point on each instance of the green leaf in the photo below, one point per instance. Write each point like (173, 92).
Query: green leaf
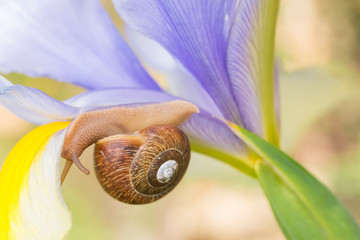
(292, 214)
(304, 208)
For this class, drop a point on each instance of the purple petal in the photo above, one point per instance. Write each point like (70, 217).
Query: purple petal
(209, 130)
(250, 63)
(150, 52)
(192, 31)
(35, 106)
(185, 86)
(4, 82)
(68, 40)
(178, 81)
(231, 7)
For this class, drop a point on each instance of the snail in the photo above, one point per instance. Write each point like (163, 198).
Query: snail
(144, 166)
(140, 155)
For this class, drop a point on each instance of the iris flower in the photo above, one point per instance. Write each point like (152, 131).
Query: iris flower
(225, 47)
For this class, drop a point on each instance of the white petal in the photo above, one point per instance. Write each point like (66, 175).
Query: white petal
(42, 213)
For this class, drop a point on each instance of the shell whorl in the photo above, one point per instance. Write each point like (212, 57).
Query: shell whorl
(142, 167)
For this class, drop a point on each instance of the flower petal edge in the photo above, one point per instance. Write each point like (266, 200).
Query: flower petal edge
(29, 177)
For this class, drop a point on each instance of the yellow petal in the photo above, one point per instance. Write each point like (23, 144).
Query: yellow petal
(29, 178)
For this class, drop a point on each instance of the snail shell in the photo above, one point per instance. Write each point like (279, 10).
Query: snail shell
(142, 167)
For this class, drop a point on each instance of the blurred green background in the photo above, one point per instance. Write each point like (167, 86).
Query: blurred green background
(318, 48)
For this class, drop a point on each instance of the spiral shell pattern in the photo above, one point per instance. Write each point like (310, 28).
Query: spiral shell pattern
(142, 167)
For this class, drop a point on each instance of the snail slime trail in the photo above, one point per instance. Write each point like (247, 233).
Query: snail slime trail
(132, 165)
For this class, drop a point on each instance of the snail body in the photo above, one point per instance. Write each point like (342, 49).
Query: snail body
(132, 165)
(142, 167)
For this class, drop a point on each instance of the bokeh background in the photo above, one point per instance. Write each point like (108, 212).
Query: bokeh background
(318, 50)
